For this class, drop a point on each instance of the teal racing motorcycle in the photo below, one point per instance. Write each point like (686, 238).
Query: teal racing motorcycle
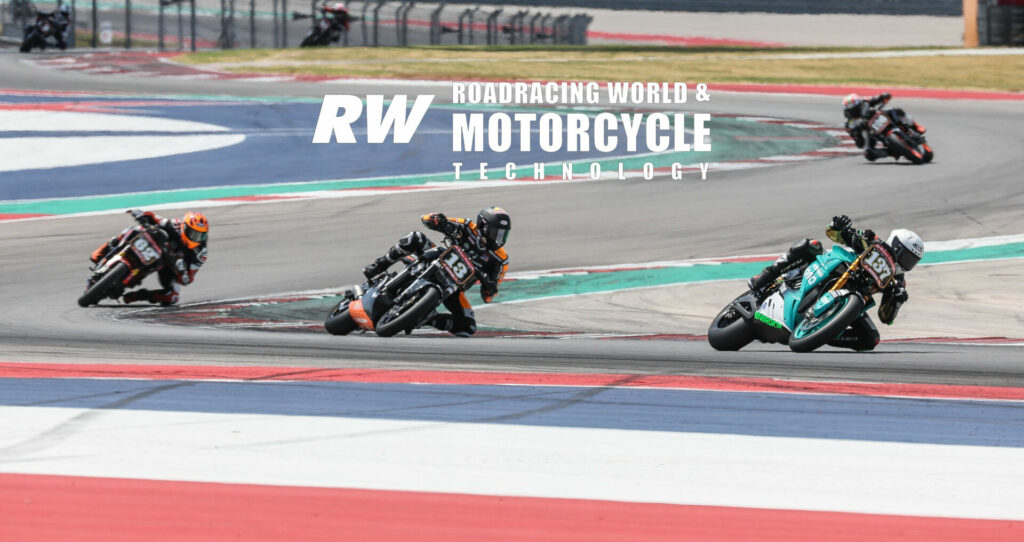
(807, 309)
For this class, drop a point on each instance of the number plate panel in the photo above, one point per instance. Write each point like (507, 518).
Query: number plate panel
(880, 265)
(145, 248)
(879, 122)
(458, 266)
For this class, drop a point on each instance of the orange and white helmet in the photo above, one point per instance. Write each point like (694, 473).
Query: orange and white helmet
(194, 229)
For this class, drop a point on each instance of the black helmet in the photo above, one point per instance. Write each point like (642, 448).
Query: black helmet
(494, 225)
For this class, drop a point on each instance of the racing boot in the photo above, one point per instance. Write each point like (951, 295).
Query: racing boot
(874, 154)
(446, 322)
(140, 295)
(861, 336)
(801, 252)
(102, 251)
(378, 266)
(765, 278)
(382, 264)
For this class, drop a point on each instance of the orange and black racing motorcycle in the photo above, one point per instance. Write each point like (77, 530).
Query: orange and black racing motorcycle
(402, 301)
(139, 253)
(900, 134)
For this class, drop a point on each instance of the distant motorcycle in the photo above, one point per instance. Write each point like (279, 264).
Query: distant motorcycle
(138, 254)
(328, 28)
(900, 134)
(806, 310)
(402, 301)
(38, 33)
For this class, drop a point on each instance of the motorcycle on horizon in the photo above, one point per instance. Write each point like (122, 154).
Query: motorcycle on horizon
(39, 33)
(138, 254)
(807, 309)
(325, 30)
(403, 301)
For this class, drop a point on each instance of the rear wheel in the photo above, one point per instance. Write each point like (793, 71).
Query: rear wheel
(28, 42)
(312, 39)
(409, 313)
(729, 331)
(339, 321)
(102, 287)
(814, 332)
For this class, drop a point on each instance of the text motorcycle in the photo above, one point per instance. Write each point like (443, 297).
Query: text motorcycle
(901, 135)
(806, 310)
(402, 301)
(139, 253)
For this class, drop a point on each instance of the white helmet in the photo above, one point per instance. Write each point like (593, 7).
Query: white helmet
(907, 248)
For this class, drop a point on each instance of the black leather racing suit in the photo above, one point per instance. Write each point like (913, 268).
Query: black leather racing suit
(857, 117)
(491, 266)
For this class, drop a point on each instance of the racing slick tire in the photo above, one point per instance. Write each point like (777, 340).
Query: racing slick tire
(729, 331)
(902, 148)
(102, 287)
(339, 321)
(417, 308)
(812, 333)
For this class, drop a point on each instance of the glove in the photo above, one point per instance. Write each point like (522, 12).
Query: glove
(840, 223)
(434, 220)
(142, 217)
(182, 270)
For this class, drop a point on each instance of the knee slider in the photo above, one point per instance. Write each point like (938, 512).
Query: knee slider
(413, 243)
(806, 248)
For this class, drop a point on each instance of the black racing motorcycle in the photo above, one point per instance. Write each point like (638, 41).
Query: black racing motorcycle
(403, 301)
(138, 254)
(900, 134)
(38, 33)
(326, 30)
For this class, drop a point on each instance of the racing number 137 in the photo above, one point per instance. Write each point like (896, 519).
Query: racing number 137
(878, 263)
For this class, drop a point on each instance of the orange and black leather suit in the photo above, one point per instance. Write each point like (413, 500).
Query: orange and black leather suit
(491, 266)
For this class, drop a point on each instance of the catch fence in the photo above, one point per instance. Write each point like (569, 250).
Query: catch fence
(228, 24)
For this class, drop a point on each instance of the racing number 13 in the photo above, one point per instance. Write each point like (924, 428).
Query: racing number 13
(457, 265)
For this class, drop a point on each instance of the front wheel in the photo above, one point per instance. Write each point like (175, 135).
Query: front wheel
(729, 331)
(312, 39)
(339, 321)
(900, 145)
(814, 332)
(410, 313)
(928, 154)
(28, 42)
(102, 287)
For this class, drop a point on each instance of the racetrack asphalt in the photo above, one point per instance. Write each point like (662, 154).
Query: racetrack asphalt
(971, 190)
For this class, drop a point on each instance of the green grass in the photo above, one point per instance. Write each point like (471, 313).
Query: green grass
(628, 63)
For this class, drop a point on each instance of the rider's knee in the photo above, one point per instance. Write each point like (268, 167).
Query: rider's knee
(806, 249)
(414, 242)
